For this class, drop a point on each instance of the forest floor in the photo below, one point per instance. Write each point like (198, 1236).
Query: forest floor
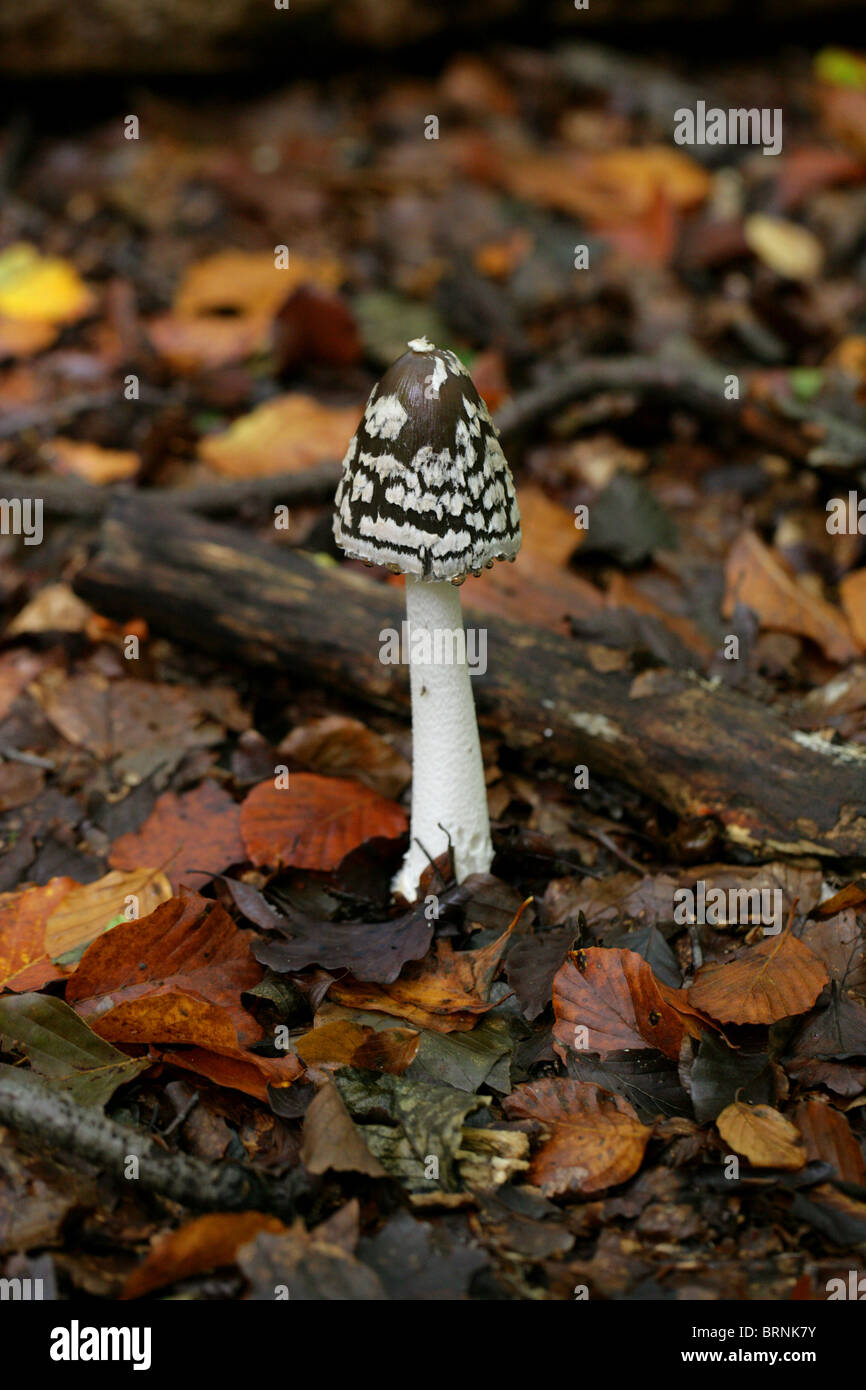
(231, 1065)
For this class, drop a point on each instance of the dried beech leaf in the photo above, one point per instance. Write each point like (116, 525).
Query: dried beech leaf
(593, 1139)
(762, 1135)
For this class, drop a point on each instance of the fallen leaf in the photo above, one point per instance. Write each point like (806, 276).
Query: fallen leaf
(194, 835)
(55, 608)
(444, 992)
(593, 1140)
(852, 594)
(787, 248)
(343, 1043)
(41, 288)
(340, 747)
(206, 1243)
(371, 951)
(308, 1266)
(237, 1069)
(92, 462)
(332, 1140)
(776, 979)
(828, 1138)
(24, 959)
(614, 996)
(762, 1135)
(248, 282)
(89, 909)
(173, 977)
(60, 1046)
(25, 337)
(285, 435)
(315, 821)
(757, 577)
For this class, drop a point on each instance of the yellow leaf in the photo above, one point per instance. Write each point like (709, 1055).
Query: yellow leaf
(86, 912)
(38, 287)
(762, 1135)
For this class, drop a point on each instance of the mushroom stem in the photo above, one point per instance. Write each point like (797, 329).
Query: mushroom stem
(449, 798)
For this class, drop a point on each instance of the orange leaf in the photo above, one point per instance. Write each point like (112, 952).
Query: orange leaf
(173, 977)
(773, 980)
(236, 1069)
(282, 436)
(24, 961)
(195, 834)
(344, 1043)
(593, 1139)
(614, 995)
(757, 577)
(314, 822)
(208, 1242)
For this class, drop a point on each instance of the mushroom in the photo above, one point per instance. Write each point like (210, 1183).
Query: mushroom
(426, 490)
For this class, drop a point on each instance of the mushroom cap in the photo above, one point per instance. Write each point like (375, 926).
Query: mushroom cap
(426, 487)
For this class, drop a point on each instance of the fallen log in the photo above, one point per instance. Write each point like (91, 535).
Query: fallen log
(696, 747)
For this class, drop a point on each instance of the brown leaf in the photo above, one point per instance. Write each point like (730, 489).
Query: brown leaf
(828, 1136)
(207, 1242)
(775, 979)
(852, 592)
(237, 1069)
(615, 996)
(314, 822)
(284, 435)
(173, 977)
(762, 1135)
(344, 1043)
(340, 747)
(198, 833)
(593, 1139)
(24, 960)
(445, 992)
(757, 577)
(332, 1140)
(89, 908)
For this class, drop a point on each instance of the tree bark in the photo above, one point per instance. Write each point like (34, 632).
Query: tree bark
(697, 748)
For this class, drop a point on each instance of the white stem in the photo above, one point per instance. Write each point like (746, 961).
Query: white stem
(449, 797)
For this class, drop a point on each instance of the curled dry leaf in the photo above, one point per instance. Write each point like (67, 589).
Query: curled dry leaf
(775, 979)
(315, 821)
(757, 577)
(191, 836)
(593, 1139)
(762, 1135)
(173, 977)
(614, 997)
(444, 993)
